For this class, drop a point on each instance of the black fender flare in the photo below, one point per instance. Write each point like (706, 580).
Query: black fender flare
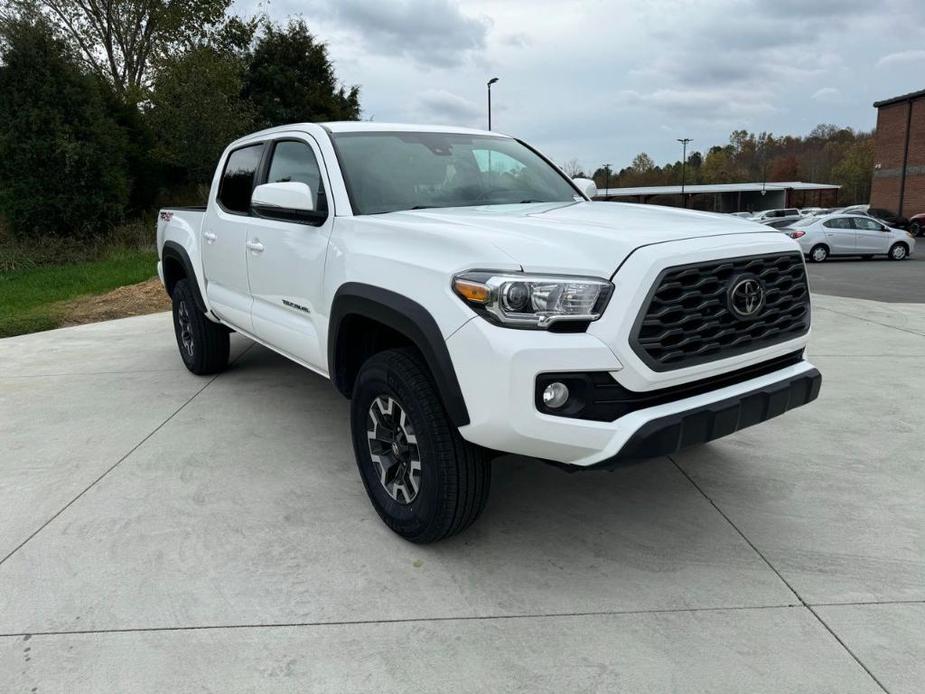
(411, 320)
(175, 251)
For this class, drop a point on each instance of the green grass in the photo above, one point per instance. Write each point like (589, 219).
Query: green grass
(28, 296)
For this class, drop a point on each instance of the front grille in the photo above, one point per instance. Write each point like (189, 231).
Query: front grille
(686, 319)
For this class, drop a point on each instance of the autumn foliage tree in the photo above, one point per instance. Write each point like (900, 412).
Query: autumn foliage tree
(828, 154)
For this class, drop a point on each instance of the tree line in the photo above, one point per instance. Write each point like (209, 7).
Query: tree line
(828, 154)
(108, 109)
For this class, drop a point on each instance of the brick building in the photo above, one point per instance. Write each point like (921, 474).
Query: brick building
(899, 154)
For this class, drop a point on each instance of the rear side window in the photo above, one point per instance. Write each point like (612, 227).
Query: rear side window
(295, 161)
(838, 223)
(866, 224)
(237, 184)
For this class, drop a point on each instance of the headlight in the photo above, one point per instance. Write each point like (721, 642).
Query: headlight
(533, 301)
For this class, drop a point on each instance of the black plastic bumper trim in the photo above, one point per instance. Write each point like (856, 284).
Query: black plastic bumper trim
(668, 434)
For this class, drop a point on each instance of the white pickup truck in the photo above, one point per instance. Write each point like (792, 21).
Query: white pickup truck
(471, 300)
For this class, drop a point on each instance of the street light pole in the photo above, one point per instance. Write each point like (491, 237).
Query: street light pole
(683, 141)
(606, 178)
(490, 82)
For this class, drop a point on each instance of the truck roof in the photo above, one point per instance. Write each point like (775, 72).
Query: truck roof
(370, 126)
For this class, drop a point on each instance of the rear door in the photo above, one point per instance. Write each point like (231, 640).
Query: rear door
(840, 236)
(285, 258)
(870, 236)
(224, 232)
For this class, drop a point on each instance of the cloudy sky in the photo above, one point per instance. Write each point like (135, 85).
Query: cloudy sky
(601, 80)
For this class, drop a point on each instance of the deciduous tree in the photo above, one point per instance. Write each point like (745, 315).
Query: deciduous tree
(119, 39)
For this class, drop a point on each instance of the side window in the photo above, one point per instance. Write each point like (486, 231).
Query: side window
(295, 161)
(234, 192)
(838, 223)
(866, 224)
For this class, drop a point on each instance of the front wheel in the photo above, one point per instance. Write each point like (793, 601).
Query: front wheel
(818, 253)
(898, 251)
(423, 479)
(916, 228)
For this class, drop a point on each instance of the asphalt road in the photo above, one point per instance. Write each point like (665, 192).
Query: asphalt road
(878, 279)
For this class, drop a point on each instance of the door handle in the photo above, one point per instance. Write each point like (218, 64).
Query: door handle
(209, 236)
(255, 246)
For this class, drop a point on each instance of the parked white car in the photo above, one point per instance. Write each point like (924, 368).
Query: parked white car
(774, 214)
(850, 234)
(470, 300)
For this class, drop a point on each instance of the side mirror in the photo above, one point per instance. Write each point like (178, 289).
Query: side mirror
(586, 186)
(290, 201)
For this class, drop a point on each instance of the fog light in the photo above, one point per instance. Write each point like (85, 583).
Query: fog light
(555, 395)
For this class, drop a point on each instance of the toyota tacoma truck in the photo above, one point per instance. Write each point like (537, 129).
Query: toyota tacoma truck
(471, 300)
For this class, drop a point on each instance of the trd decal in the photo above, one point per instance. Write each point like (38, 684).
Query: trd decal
(292, 304)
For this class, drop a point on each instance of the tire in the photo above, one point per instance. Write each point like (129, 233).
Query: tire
(916, 229)
(899, 251)
(203, 344)
(818, 253)
(453, 476)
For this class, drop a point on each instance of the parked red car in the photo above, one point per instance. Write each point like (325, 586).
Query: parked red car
(917, 224)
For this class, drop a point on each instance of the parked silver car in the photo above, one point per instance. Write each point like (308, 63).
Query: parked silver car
(849, 234)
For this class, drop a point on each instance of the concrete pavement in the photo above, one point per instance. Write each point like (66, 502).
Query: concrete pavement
(163, 532)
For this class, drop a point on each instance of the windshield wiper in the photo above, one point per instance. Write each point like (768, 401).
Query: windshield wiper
(423, 207)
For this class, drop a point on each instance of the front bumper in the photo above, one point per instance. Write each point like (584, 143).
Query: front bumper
(667, 434)
(497, 369)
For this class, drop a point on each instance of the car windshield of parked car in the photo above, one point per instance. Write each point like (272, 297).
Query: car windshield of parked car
(389, 171)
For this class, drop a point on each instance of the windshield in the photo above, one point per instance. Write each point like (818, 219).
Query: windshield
(388, 171)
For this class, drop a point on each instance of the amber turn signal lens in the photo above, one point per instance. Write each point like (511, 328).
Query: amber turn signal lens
(472, 291)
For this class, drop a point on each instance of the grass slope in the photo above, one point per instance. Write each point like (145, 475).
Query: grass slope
(28, 296)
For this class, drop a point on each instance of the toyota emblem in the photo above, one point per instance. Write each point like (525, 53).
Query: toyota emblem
(746, 297)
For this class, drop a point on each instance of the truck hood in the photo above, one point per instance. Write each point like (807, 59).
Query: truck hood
(591, 238)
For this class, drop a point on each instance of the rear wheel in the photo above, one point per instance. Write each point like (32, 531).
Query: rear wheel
(898, 251)
(916, 228)
(204, 345)
(818, 253)
(423, 479)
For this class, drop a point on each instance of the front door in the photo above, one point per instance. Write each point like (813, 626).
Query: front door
(870, 235)
(224, 232)
(285, 259)
(840, 236)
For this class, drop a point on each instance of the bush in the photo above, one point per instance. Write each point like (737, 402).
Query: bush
(63, 169)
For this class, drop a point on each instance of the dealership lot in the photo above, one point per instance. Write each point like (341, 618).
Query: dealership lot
(878, 279)
(164, 532)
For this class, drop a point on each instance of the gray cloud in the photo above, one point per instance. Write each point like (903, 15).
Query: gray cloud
(448, 108)
(707, 105)
(434, 33)
(603, 81)
(827, 95)
(911, 56)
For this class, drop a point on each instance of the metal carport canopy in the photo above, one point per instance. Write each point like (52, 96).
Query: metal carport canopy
(716, 188)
